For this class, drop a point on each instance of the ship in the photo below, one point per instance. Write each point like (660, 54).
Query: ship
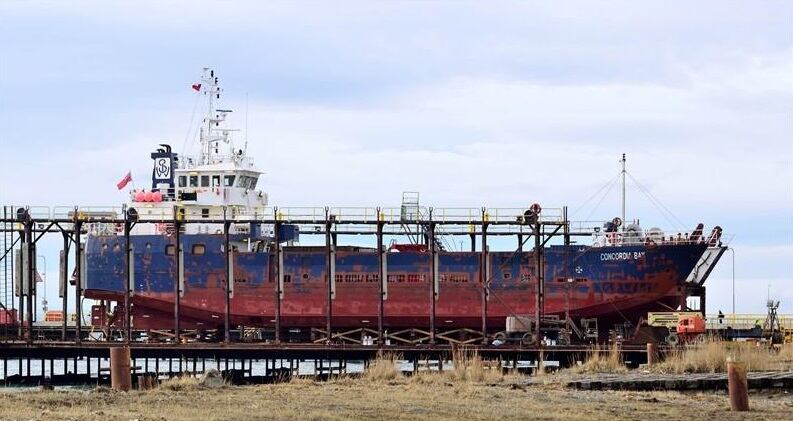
(206, 251)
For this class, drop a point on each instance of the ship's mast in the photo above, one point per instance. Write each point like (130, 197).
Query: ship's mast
(622, 227)
(209, 84)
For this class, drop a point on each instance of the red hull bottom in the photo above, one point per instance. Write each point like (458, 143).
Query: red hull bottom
(158, 313)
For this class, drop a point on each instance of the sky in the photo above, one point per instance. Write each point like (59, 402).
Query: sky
(496, 104)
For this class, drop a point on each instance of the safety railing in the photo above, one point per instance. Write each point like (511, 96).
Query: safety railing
(191, 162)
(744, 321)
(354, 219)
(313, 214)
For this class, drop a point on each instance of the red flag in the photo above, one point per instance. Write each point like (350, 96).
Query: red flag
(197, 87)
(124, 181)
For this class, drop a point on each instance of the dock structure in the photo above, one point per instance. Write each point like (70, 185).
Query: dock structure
(62, 363)
(71, 341)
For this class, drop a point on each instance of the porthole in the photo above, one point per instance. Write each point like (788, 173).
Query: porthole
(199, 249)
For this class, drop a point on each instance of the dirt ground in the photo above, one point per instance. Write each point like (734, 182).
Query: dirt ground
(402, 398)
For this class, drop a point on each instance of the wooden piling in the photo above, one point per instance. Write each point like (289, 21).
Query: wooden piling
(146, 382)
(120, 375)
(652, 353)
(737, 386)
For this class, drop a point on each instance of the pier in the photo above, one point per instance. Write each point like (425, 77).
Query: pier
(60, 363)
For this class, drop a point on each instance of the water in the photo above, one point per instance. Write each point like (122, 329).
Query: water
(257, 368)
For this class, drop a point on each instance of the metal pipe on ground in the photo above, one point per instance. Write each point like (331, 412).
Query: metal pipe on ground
(120, 375)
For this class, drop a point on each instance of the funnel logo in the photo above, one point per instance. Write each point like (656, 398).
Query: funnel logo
(162, 169)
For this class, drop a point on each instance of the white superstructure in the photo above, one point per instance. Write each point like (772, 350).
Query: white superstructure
(220, 181)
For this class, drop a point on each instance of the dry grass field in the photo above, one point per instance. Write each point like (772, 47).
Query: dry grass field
(471, 390)
(430, 396)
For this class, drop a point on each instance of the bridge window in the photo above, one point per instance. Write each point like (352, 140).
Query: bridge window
(193, 181)
(229, 180)
(215, 181)
(199, 249)
(182, 181)
(204, 181)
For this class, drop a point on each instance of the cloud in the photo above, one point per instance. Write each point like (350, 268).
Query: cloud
(498, 105)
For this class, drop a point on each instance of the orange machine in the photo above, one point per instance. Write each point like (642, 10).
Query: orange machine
(53, 316)
(690, 327)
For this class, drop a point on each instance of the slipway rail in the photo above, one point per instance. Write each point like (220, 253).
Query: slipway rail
(63, 363)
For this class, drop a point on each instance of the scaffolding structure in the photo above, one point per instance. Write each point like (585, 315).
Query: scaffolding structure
(30, 224)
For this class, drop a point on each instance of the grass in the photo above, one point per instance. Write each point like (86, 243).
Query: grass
(181, 383)
(711, 356)
(384, 367)
(708, 356)
(603, 360)
(471, 390)
(469, 367)
(400, 399)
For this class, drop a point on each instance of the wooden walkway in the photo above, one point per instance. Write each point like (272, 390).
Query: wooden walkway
(644, 381)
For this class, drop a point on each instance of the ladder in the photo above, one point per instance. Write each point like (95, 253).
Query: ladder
(7, 261)
(410, 213)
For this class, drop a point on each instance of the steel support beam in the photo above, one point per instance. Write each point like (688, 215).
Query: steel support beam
(229, 286)
(130, 277)
(380, 284)
(330, 267)
(433, 275)
(539, 310)
(277, 272)
(483, 276)
(64, 282)
(30, 269)
(79, 252)
(177, 293)
(20, 290)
